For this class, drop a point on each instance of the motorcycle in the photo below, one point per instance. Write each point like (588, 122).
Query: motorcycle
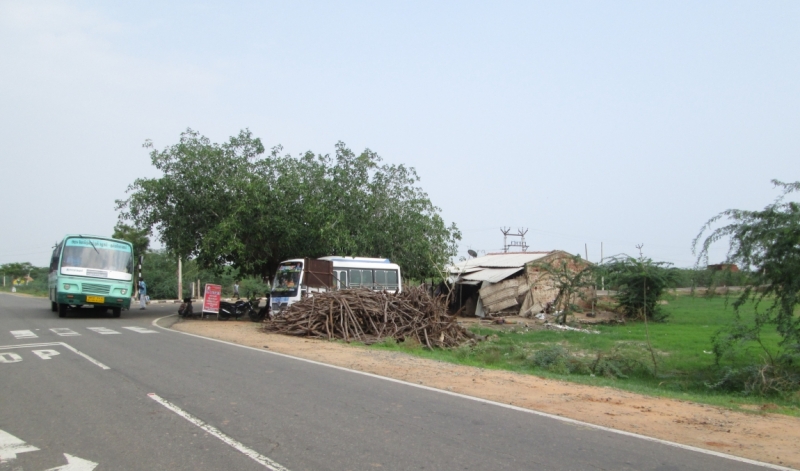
(261, 314)
(230, 310)
(240, 308)
(186, 309)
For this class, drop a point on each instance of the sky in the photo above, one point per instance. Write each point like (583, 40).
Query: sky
(586, 123)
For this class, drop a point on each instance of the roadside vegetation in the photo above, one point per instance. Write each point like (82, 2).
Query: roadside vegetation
(619, 356)
(233, 211)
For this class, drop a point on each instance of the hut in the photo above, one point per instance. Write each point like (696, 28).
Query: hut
(507, 283)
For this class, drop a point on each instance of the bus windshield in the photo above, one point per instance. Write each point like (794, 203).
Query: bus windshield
(97, 257)
(287, 279)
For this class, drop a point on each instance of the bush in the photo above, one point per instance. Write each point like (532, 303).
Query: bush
(760, 380)
(557, 359)
(640, 283)
(616, 364)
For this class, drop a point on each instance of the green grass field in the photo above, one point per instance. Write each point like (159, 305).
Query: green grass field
(618, 356)
(32, 289)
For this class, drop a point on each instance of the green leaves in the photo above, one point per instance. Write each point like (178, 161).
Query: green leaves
(229, 204)
(16, 270)
(138, 237)
(639, 284)
(767, 243)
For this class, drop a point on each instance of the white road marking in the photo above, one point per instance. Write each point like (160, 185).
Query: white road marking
(64, 332)
(103, 330)
(498, 404)
(10, 446)
(46, 354)
(75, 464)
(252, 454)
(10, 358)
(24, 334)
(141, 330)
(53, 344)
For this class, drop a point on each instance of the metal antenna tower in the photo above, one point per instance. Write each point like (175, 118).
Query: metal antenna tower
(514, 243)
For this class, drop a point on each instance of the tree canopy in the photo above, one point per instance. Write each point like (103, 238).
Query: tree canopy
(640, 283)
(766, 243)
(234, 204)
(137, 237)
(16, 270)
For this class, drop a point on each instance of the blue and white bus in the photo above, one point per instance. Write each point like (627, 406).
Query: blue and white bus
(91, 270)
(292, 281)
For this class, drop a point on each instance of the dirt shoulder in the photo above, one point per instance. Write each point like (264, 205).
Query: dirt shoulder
(770, 438)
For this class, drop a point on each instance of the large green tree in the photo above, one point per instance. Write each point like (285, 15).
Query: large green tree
(137, 237)
(767, 244)
(234, 204)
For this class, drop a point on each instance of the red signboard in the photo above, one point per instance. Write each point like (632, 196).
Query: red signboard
(211, 298)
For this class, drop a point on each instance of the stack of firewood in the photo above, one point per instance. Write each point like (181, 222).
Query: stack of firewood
(370, 316)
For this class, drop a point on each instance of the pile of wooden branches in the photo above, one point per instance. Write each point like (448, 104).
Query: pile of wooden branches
(370, 316)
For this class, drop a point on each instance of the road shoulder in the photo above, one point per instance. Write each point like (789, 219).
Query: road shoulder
(769, 438)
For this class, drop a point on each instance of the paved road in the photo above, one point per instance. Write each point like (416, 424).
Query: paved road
(120, 394)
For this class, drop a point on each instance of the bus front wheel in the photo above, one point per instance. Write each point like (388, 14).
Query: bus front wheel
(62, 310)
(116, 311)
(53, 306)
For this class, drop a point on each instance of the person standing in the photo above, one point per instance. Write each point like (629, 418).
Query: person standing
(142, 294)
(236, 289)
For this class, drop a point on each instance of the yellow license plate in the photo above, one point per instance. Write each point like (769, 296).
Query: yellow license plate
(95, 299)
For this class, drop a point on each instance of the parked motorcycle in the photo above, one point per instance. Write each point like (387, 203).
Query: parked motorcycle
(186, 309)
(240, 308)
(261, 314)
(230, 310)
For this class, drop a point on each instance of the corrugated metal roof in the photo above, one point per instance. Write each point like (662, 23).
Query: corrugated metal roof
(492, 275)
(504, 260)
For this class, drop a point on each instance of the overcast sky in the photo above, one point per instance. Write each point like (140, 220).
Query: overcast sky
(584, 122)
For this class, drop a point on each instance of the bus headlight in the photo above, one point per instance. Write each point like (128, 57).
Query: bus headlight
(67, 286)
(123, 291)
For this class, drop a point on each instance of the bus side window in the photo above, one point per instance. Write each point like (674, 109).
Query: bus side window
(366, 279)
(341, 279)
(391, 279)
(386, 279)
(355, 277)
(55, 257)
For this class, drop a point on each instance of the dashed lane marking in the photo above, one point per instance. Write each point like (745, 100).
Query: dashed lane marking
(23, 334)
(64, 332)
(141, 330)
(103, 330)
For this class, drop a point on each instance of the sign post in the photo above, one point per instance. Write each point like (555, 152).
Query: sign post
(211, 298)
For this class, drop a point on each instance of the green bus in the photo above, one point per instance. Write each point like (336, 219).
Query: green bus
(91, 270)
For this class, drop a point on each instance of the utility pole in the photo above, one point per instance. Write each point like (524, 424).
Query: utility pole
(136, 288)
(180, 279)
(602, 278)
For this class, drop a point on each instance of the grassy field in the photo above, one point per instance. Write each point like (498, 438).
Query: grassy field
(32, 289)
(618, 356)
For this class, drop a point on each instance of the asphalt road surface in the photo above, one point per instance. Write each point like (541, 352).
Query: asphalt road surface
(91, 392)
